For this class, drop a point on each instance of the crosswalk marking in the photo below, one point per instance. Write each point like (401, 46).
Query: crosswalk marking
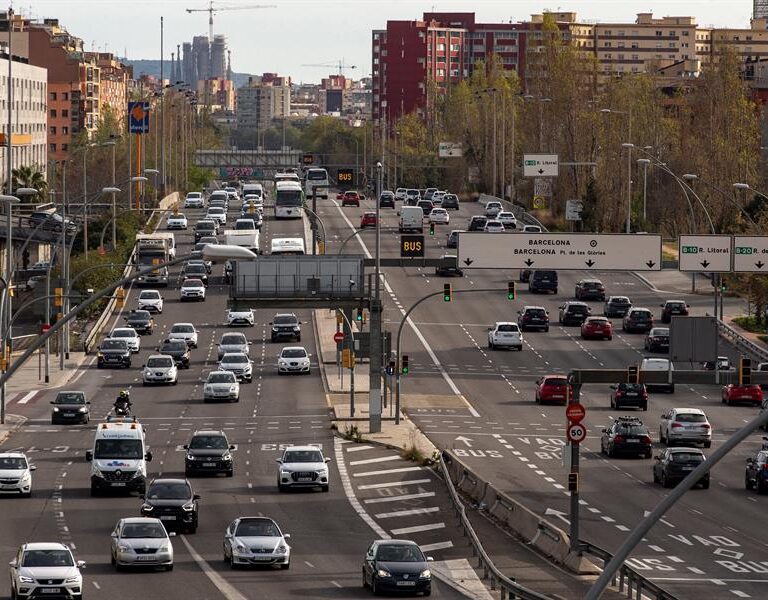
(357, 448)
(407, 513)
(368, 461)
(374, 486)
(399, 498)
(418, 528)
(386, 471)
(436, 546)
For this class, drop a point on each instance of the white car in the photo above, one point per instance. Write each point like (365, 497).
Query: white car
(505, 334)
(150, 300)
(293, 359)
(233, 342)
(177, 221)
(221, 385)
(400, 194)
(15, 474)
(160, 368)
(507, 219)
(194, 200)
(437, 198)
(531, 229)
(439, 216)
(302, 466)
(129, 335)
(192, 289)
(184, 331)
(141, 541)
(680, 426)
(256, 541)
(493, 226)
(240, 317)
(239, 364)
(45, 569)
(217, 213)
(493, 208)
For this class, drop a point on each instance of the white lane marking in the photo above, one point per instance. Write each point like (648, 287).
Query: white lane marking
(379, 459)
(350, 493)
(436, 546)
(407, 513)
(227, 589)
(358, 447)
(374, 486)
(740, 594)
(418, 528)
(386, 471)
(309, 564)
(336, 583)
(27, 397)
(96, 585)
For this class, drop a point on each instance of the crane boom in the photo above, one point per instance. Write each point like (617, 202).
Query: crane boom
(337, 64)
(211, 10)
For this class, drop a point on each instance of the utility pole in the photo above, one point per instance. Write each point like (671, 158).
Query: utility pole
(374, 396)
(8, 297)
(162, 114)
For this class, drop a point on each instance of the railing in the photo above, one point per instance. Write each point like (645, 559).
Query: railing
(741, 342)
(520, 213)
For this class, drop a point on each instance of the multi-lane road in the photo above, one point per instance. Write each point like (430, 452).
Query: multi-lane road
(481, 404)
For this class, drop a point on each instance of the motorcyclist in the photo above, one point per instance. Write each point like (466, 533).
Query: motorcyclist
(123, 400)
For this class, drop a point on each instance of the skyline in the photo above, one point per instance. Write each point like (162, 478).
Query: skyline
(328, 30)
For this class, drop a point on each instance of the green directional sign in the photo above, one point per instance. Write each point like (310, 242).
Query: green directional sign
(745, 250)
(690, 249)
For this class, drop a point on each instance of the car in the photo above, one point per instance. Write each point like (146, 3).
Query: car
(176, 221)
(41, 266)
(51, 221)
(626, 435)
(554, 389)
(209, 452)
(657, 340)
(524, 275)
(590, 289)
(507, 219)
(723, 364)
(437, 198)
(756, 472)
(493, 226)
(239, 364)
(426, 207)
(505, 334)
(350, 198)
(209, 239)
(150, 300)
(596, 327)
(221, 385)
(160, 368)
(33, 282)
(492, 209)
(302, 466)
(400, 194)
(368, 220)
(533, 317)
(285, 326)
(129, 335)
(616, 306)
(254, 210)
(196, 271)
(543, 282)
(176, 349)
(231, 193)
(394, 565)
(637, 320)
(412, 197)
(450, 201)
(15, 474)
(450, 267)
(387, 199)
(428, 193)
(293, 359)
(477, 223)
(184, 331)
(674, 464)
(205, 263)
(205, 228)
(453, 239)
(733, 393)
(240, 317)
(233, 342)
(113, 353)
(439, 216)
(685, 426)
(172, 501)
(573, 313)
(672, 308)
(531, 229)
(194, 200)
(70, 407)
(217, 213)
(250, 223)
(141, 542)
(626, 395)
(256, 541)
(192, 288)
(658, 364)
(46, 570)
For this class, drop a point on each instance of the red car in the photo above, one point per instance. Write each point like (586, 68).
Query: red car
(368, 220)
(350, 199)
(340, 196)
(597, 327)
(742, 393)
(553, 388)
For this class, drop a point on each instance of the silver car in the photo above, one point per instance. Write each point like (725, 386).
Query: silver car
(302, 466)
(233, 342)
(41, 569)
(15, 474)
(221, 385)
(184, 331)
(256, 541)
(685, 425)
(141, 541)
(129, 335)
(238, 364)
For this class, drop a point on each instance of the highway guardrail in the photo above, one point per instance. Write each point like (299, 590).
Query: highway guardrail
(520, 213)
(742, 343)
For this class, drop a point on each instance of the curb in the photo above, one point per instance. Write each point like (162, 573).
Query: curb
(10, 429)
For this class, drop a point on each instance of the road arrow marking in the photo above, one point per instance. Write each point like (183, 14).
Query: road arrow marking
(589, 262)
(466, 440)
(650, 264)
(468, 261)
(551, 512)
(759, 264)
(529, 262)
(704, 263)
(667, 523)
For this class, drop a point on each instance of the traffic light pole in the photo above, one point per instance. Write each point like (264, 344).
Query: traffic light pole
(374, 386)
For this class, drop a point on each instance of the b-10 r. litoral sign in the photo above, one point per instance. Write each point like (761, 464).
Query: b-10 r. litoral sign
(560, 251)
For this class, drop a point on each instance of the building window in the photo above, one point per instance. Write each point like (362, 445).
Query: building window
(608, 32)
(671, 44)
(659, 33)
(65, 95)
(52, 147)
(53, 131)
(671, 34)
(607, 44)
(635, 45)
(53, 95)
(621, 44)
(65, 130)
(53, 113)
(64, 112)
(65, 147)
(635, 57)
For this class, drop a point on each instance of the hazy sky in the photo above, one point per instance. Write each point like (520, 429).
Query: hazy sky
(296, 32)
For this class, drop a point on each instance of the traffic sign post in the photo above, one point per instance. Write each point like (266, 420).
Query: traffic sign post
(576, 433)
(338, 337)
(704, 253)
(575, 413)
(541, 165)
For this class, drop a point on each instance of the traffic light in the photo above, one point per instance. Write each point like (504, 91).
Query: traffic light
(119, 298)
(359, 313)
(745, 371)
(58, 297)
(404, 364)
(347, 359)
(391, 367)
(431, 229)
(447, 292)
(511, 291)
(633, 374)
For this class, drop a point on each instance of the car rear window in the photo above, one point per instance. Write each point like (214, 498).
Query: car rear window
(619, 300)
(631, 387)
(632, 430)
(510, 327)
(555, 381)
(641, 315)
(690, 418)
(575, 308)
(687, 457)
(535, 312)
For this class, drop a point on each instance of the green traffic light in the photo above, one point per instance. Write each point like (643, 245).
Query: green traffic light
(510, 296)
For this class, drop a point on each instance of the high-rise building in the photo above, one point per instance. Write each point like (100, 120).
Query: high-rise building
(202, 56)
(760, 9)
(218, 57)
(188, 65)
(262, 100)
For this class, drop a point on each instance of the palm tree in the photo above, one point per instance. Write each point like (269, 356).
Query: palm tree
(30, 176)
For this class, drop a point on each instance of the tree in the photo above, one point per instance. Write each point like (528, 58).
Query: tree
(30, 177)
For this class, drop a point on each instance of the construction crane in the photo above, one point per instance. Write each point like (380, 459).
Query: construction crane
(337, 64)
(211, 10)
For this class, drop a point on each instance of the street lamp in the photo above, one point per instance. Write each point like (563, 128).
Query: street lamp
(627, 113)
(155, 173)
(644, 162)
(113, 190)
(5, 311)
(628, 146)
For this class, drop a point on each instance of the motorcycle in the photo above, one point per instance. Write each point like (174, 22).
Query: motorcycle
(122, 408)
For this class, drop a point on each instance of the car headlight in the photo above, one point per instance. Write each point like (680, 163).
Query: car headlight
(274, 328)
(27, 476)
(284, 473)
(147, 372)
(241, 547)
(147, 507)
(227, 456)
(425, 574)
(124, 548)
(297, 328)
(73, 579)
(55, 409)
(82, 409)
(100, 355)
(281, 549)
(25, 579)
(232, 389)
(188, 506)
(190, 457)
(382, 573)
(164, 548)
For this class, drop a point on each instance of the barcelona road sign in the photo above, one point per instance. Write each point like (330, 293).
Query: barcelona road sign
(705, 253)
(138, 117)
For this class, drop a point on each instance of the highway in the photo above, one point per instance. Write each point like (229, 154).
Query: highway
(329, 537)
(481, 404)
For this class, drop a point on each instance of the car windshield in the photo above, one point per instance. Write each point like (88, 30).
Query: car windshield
(234, 358)
(257, 528)
(179, 346)
(12, 463)
(206, 225)
(508, 327)
(143, 530)
(182, 329)
(294, 353)
(114, 448)
(687, 457)
(160, 361)
(233, 339)
(659, 331)
(221, 378)
(192, 283)
(47, 558)
(208, 442)
(123, 333)
(245, 225)
(303, 456)
(399, 553)
(216, 210)
(113, 345)
(690, 418)
(70, 398)
(632, 430)
(169, 491)
(196, 268)
(284, 320)
(557, 382)
(619, 300)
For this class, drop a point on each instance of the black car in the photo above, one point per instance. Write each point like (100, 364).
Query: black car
(525, 275)
(70, 407)
(173, 502)
(450, 201)
(453, 239)
(637, 320)
(626, 395)
(396, 566)
(616, 306)
(477, 223)
(387, 200)
(756, 473)
(590, 289)
(574, 313)
(426, 206)
(196, 271)
(141, 321)
(51, 221)
(451, 269)
(285, 326)
(657, 340)
(674, 464)
(543, 282)
(208, 452)
(113, 352)
(626, 435)
(673, 308)
(178, 350)
(533, 317)
(203, 228)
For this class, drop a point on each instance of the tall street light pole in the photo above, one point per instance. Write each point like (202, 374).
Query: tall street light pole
(644, 162)
(374, 396)
(9, 201)
(628, 147)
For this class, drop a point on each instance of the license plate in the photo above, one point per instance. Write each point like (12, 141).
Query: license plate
(145, 557)
(558, 396)
(406, 583)
(687, 468)
(167, 517)
(68, 414)
(633, 441)
(209, 464)
(304, 479)
(50, 590)
(630, 394)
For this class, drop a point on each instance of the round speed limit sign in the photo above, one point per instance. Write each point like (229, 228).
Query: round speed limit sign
(576, 433)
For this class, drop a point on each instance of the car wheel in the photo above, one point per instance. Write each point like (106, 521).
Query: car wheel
(169, 567)
(374, 587)
(365, 581)
(285, 566)
(664, 481)
(538, 400)
(546, 329)
(325, 488)
(648, 454)
(610, 452)
(705, 485)
(232, 564)
(298, 338)
(490, 345)
(747, 482)
(231, 473)
(94, 491)
(610, 337)
(520, 348)
(427, 592)
(655, 478)
(645, 407)
(708, 444)
(280, 487)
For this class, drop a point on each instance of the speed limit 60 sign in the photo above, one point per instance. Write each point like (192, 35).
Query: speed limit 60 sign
(576, 433)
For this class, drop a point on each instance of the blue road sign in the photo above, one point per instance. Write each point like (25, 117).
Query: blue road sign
(138, 117)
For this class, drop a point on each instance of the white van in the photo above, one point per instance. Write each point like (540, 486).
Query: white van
(282, 246)
(658, 364)
(119, 456)
(411, 219)
(253, 189)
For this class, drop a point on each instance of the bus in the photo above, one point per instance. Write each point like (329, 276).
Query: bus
(317, 176)
(289, 200)
(287, 176)
(287, 246)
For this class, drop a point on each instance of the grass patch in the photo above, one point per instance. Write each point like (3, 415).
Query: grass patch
(352, 433)
(412, 453)
(751, 324)
(763, 338)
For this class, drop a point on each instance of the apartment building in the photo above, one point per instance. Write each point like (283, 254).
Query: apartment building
(114, 83)
(263, 99)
